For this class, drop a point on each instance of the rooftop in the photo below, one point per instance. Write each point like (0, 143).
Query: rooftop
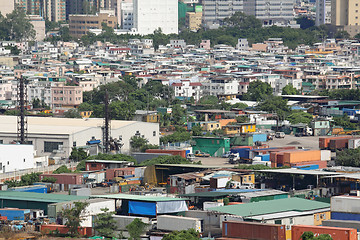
(38, 197)
(139, 198)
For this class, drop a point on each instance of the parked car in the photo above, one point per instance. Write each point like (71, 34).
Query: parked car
(279, 134)
(226, 155)
(201, 154)
(191, 157)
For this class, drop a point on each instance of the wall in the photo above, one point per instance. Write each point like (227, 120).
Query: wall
(15, 157)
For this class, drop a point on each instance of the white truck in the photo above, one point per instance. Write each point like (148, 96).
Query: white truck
(178, 223)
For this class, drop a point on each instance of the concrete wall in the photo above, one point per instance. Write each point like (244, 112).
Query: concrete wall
(16, 157)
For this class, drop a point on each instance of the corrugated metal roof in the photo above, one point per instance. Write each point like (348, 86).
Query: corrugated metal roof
(272, 206)
(38, 197)
(139, 197)
(298, 171)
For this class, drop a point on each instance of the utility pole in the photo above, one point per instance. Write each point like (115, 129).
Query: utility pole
(22, 122)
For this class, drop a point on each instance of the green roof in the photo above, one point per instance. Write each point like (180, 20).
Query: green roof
(272, 206)
(38, 197)
(212, 194)
(139, 198)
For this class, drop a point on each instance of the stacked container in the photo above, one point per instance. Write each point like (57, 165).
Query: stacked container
(345, 208)
(335, 233)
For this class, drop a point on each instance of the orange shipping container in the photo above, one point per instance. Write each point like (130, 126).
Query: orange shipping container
(181, 153)
(302, 156)
(322, 164)
(325, 141)
(335, 233)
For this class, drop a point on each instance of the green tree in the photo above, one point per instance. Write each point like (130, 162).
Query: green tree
(105, 224)
(62, 169)
(342, 34)
(36, 103)
(178, 114)
(112, 157)
(177, 136)
(166, 160)
(78, 154)
(165, 120)
(18, 26)
(348, 157)
(29, 179)
(242, 119)
(136, 228)
(197, 130)
(289, 90)
(209, 100)
(74, 217)
(305, 22)
(300, 117)
(81, 166)
(275, 105)
(240, 20)
(258, 91)
(72, 113)
(122, 110)
(137, 143)
(189, 234)
(311, 236)
(344, 121)
(49, 179)
(240, 106)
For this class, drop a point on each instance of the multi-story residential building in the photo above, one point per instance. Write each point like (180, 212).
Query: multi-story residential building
(79, 25)
(242, 45)
(127, 15)
(53, 10)
(177, 43)
(187, 89)
(66, 96)
(151, 15)
(6, 90)
(7, 7)
(345, 14)
(220, 85)
(193, 20)
(39, 90)
(143, 46)
(214, 11)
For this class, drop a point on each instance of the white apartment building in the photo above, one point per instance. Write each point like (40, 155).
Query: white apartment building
(242, 45)
(127, 15)
(220, 86)
(6, 90)
(39, 90)
(187, 89)
(214, 11)
(323, 12)
(150, 15)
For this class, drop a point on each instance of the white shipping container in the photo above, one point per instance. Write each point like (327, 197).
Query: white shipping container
(221, 182)
(207, 205)
(325, 155)
(178, 223)
(354, 143)
(345, 204)
(122, 221)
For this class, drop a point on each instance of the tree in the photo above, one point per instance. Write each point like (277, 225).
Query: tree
(190, 234)
(62, 169)
(137, 142)
(105, 224)
(197, 130)
(166, 160)
(72, 113)
(78, 154)
(36, 103)
(74, 217)
(342, 34)
(275, 105)
(178, 114)
(242, 119)
(258, 91)
(348, 157)
(289, 90)
(209, 100)
(49, 179)
(305, 22)
(81, 166)
(18, 26)
(240, 20)
(120, 110)
(240, 106)
(136, 228)
(177, 136)
(300, 117)
(30, 178)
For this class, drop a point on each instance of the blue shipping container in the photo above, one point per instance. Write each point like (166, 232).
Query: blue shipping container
(36, 189)
(259, 138)
(14, 214)
(265, 157)
(308, 167)
(345, 216)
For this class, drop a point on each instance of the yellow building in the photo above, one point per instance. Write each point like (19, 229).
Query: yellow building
(320, 217)
(239, 129)
(211, 126)
(193, 20)
(79, 24)
(153, 118)
(244, 178)
(345, 14)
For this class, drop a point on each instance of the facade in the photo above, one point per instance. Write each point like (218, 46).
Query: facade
(345, 15)
(54, 10)
(214, 11)
(39, 27)
(7, 7)
(55, 137)
(66, 96)
(127, 15)
(150, 15)
(193, 20)
(187, 89)
(16, 157)
(220, 86)
(79, 25)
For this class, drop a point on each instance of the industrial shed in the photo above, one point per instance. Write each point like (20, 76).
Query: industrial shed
(147, 206)
(55, 137)
(31, 200)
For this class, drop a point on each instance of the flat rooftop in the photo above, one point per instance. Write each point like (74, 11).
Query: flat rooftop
(123, 196)
(38, 197)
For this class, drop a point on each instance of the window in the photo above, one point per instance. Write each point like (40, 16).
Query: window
(278, 222)
(1, 141)
(51, 146)
(154, 133)
(93, 165)
(24, 159)
(74, 144)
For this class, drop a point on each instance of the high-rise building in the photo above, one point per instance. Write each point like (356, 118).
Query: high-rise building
(323, 12)
(214, 11)
(127, 15)
(345, 14)
(7, 7)
(53, 10)
(150, 15)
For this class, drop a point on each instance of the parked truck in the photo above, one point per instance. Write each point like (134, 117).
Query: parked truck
(178, 223)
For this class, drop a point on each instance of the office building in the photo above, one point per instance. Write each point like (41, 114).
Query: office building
(126, 15)
(214, 11)
(323, 12)
(345, 15)
(150, 15)
(79, 24)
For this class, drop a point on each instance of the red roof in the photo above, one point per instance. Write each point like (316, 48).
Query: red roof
(195, 84)
(176, 84)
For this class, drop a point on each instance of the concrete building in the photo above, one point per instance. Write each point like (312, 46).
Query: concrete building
(54, 10)
(127, 15)
(79, 25)
(7, 7)
(186, 90)
(55, 137)
(39, 26)
(214, 11)
(150, 15)
(345, 15)
(242, 45)
(193, 20)
(66, 96)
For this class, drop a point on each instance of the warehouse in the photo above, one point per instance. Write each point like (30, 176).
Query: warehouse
(288, 211)
(55, 137)
(30, 200)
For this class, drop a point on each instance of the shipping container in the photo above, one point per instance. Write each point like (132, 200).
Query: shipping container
(36, 188)
(324, 141)
(345, 216)
(178, 223)
(325, 155)
(65, 178)
(243, 151)
(302, 156)
(320, 164)
(119, 172)
(15, 214)
(181, 153)
(354, 143)
(345, 204)
(337, 144)
(249, 230)
(207, 205)
(335, 233)
(259, 138)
